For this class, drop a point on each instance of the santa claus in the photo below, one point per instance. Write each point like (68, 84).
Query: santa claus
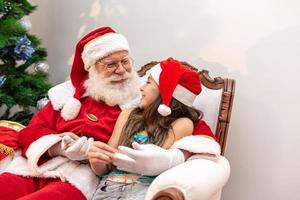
(55, 143)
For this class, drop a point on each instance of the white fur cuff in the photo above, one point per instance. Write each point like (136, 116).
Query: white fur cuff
(38, 148)
(204, 145)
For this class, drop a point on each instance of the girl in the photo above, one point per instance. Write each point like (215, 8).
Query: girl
(164, 115)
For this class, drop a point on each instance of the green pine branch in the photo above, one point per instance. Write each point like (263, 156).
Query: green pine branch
(10, 31)
(22, 88)
(19, 8)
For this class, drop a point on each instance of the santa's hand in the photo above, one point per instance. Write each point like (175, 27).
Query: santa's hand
(71, 134)
(148, 159)
(66, 142)
(76, 150)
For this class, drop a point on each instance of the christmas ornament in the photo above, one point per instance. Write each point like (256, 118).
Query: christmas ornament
(25, 22)
(41, 103)
(23, 49)
(2, 80)
(7, 6)
(41, 66)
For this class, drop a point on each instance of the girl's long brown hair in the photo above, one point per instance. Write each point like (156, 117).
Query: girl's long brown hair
(156, 126)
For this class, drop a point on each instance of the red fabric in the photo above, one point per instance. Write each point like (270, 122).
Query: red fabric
(8, 137)
(172, 74)
(28, 188)
(201, 128)
(47, 121)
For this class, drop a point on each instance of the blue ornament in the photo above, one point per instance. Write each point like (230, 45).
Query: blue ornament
(2, 80)
(23, 49)
(41, 103)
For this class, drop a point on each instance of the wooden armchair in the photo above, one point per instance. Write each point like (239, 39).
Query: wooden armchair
(216, 103)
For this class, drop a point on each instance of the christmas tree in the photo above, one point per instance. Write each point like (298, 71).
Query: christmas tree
(23, 67)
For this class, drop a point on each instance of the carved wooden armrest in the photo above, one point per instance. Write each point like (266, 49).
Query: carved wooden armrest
(169, 194)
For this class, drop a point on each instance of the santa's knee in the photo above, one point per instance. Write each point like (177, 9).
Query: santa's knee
(198, 179)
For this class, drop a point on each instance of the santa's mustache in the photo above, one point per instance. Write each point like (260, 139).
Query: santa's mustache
(115, 77)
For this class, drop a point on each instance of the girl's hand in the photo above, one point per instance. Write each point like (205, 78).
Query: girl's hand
(101, 153)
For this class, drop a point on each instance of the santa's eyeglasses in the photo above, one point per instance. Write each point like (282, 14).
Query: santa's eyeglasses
(113, 65)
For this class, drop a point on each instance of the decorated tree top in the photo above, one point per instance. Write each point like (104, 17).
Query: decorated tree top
(23, 69)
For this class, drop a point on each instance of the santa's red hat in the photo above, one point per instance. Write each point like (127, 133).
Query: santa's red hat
(175, 80)
(92, 47)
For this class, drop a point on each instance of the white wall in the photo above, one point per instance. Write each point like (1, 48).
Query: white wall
(256, 42)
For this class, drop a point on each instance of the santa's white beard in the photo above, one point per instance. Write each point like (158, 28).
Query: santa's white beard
(101, 88)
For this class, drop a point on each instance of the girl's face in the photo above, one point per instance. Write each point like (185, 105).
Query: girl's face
(149, 92)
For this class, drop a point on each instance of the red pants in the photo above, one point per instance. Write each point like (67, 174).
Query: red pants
(28, 188)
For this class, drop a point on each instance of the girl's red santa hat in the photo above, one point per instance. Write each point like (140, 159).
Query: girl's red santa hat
(92, 47)
(175, 80)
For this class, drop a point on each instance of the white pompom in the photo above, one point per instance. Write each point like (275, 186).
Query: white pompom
(164, 110)
(60, 94)
(70, 109)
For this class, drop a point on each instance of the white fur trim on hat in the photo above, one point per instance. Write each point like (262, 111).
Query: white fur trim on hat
(164, 110)
(103, 46)
(71, 109)
(184, 95)
(155, 72)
